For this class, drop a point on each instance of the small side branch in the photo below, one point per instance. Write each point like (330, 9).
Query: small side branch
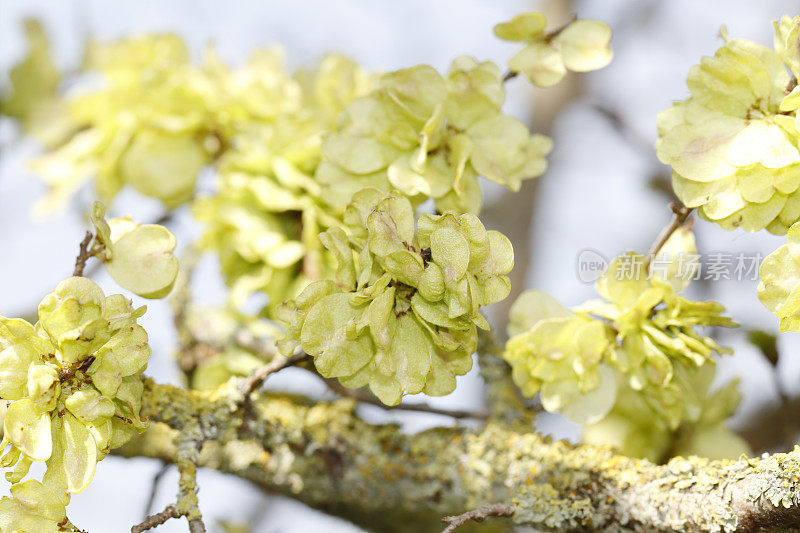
(385, 479)
(83, 255)
(681, 214)
(156, 520)
(510, 75)
(477, 515)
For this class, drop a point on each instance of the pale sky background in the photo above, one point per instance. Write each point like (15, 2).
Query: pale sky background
(594, 195)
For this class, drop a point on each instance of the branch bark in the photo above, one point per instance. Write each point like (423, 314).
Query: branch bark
(681, 213)
(83, 255)
(383, 479)
(477, 515)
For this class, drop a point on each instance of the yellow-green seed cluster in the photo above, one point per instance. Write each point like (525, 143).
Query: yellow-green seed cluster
(431, 136)
(74, 383)
(734, 145)
(401, 315)
(641, 336)
(580, 46)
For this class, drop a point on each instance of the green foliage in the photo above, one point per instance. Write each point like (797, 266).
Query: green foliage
(641, 338)
(74, 383)
(430, 136)
(219, 329)
(34, 82)
(146, 125)
(264, 218)
(401, 315)
(779, 287)
(320, 174)
(562, 356)
(767, 344)
(33, 506)
(733, 145)
(580, 46)
(289, 149)
(635, 429)
(139, 258)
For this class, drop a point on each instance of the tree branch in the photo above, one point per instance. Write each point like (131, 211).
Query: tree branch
(681, 214)
(384, 479)
(156, 520)
(259, 375)
(477, 515)
(187, 443)
(83, 255)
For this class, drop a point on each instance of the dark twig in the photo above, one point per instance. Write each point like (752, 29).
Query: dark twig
(681, 214)
(154, 487)
(83, 255)
(477, 515)
(510, 75)
(156, 520)
(362, 397)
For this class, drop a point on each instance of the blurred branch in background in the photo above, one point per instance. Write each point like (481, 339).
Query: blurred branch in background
(512, 212)
(659, 179)
(774, 427)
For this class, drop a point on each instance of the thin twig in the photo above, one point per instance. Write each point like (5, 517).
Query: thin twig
(681, 214)
(510, 75)
(477, 515)
(154, 487)
(83, 255)
(259, 375)
(359, 396)
(157, 519)
(164, 219)
(549, 36)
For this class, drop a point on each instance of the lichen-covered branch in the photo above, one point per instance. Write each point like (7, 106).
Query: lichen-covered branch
(384, 479)
(188, 442)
